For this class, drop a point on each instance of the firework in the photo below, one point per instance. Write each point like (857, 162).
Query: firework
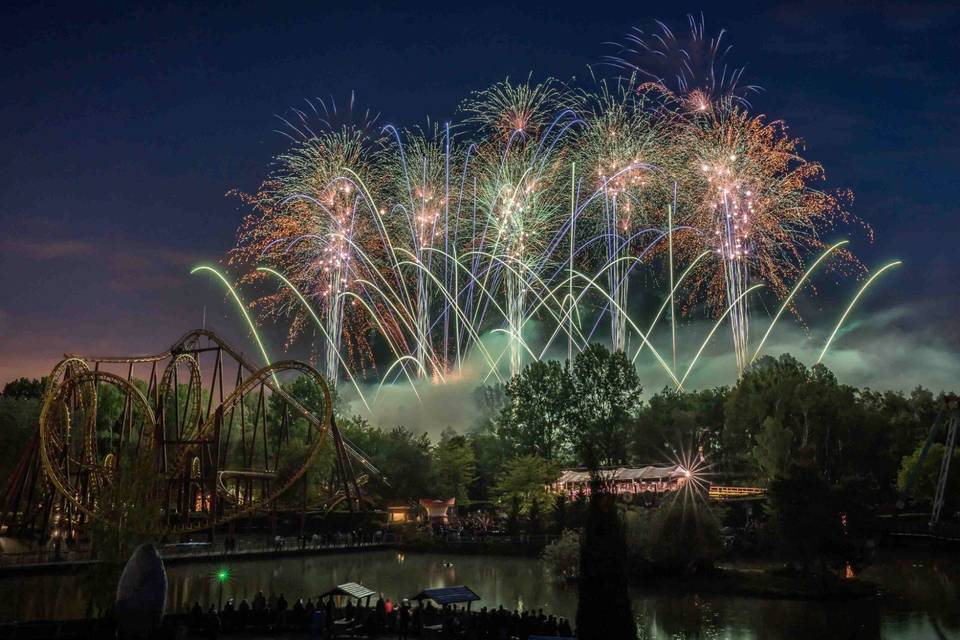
(622, 149)
(418, 180)
(752, 201)
(519, 173)
(308, 223)
(691, 69)
(538, 206)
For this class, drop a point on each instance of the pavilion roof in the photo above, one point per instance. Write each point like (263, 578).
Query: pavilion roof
(448, 595)
(350, 590)
(622, 473)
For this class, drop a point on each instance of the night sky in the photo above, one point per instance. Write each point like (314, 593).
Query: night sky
(123, 129)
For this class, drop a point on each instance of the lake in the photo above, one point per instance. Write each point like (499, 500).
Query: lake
(928, 607)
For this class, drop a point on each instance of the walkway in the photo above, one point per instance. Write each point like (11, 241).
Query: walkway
(192, 552)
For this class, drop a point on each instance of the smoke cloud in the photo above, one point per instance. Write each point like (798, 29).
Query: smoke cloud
(878, 351)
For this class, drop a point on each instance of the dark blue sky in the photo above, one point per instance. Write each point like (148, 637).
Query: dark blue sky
(123, 128)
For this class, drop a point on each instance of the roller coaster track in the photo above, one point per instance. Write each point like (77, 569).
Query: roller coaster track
(90, 459)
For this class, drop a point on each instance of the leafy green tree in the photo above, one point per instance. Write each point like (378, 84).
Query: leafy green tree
(524, 480)
(535, 518)
(404, 458)
(606, 395)
(513, 516)
(806, 517)
(454, 466)
(490, 453)
(536, 420)
(772, 448)
(559, 515)
(927, 474)
(820, 414)
(24, 388)
(129, 513)
(19, 418)
(674, 419)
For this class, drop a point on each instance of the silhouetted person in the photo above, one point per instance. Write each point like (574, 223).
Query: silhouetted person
(196, 615)
(243, 613)
(329, 608)
(298, 612)
(212, 624)
(318, 622)
(403, 627)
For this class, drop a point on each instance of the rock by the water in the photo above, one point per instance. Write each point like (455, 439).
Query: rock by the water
(141, 594)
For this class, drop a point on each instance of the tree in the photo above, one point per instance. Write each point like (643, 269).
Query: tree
(821, 415)
(603, 603)
(525, 479)
(24, 388)
(535, 518)
(772, 448)
(926, 474)
(404, 458)
(453, 466)
(673, 418)
(128, 512)
(489, 401)
(559, 513)
(806, 517)
(490, 453)
(607, 397)
(19, 417)
(536, 420)
(513, 516)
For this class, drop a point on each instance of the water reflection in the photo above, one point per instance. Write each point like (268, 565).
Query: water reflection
(930, 588)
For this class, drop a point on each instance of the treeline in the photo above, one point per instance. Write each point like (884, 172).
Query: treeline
(779, 416)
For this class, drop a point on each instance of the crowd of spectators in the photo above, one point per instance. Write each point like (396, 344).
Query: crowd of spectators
(328, 618)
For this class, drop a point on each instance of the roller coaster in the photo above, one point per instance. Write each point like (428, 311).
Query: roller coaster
(116, 433)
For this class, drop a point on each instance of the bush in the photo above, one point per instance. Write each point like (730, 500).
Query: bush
(684, 537)
(674, 537)
(561, 558)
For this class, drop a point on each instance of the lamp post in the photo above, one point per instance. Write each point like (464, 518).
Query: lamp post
(222, 576)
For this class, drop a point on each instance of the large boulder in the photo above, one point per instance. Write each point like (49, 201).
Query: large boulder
(141, 594)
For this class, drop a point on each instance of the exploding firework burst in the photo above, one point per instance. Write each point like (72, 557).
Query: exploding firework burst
(309, 221)
(419, 243)
(752, 200)
(623, 149)
(690, 69)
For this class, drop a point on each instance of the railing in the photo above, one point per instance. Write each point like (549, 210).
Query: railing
(536, 539)
(733, 493)
(199, 550)
(45, 557)
(283, 545)
(919, 527)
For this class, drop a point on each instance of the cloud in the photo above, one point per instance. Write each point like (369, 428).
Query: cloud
(125, 266)
(49, 249)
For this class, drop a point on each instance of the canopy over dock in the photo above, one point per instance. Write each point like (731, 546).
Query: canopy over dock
(350, 590)
(448, 595)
